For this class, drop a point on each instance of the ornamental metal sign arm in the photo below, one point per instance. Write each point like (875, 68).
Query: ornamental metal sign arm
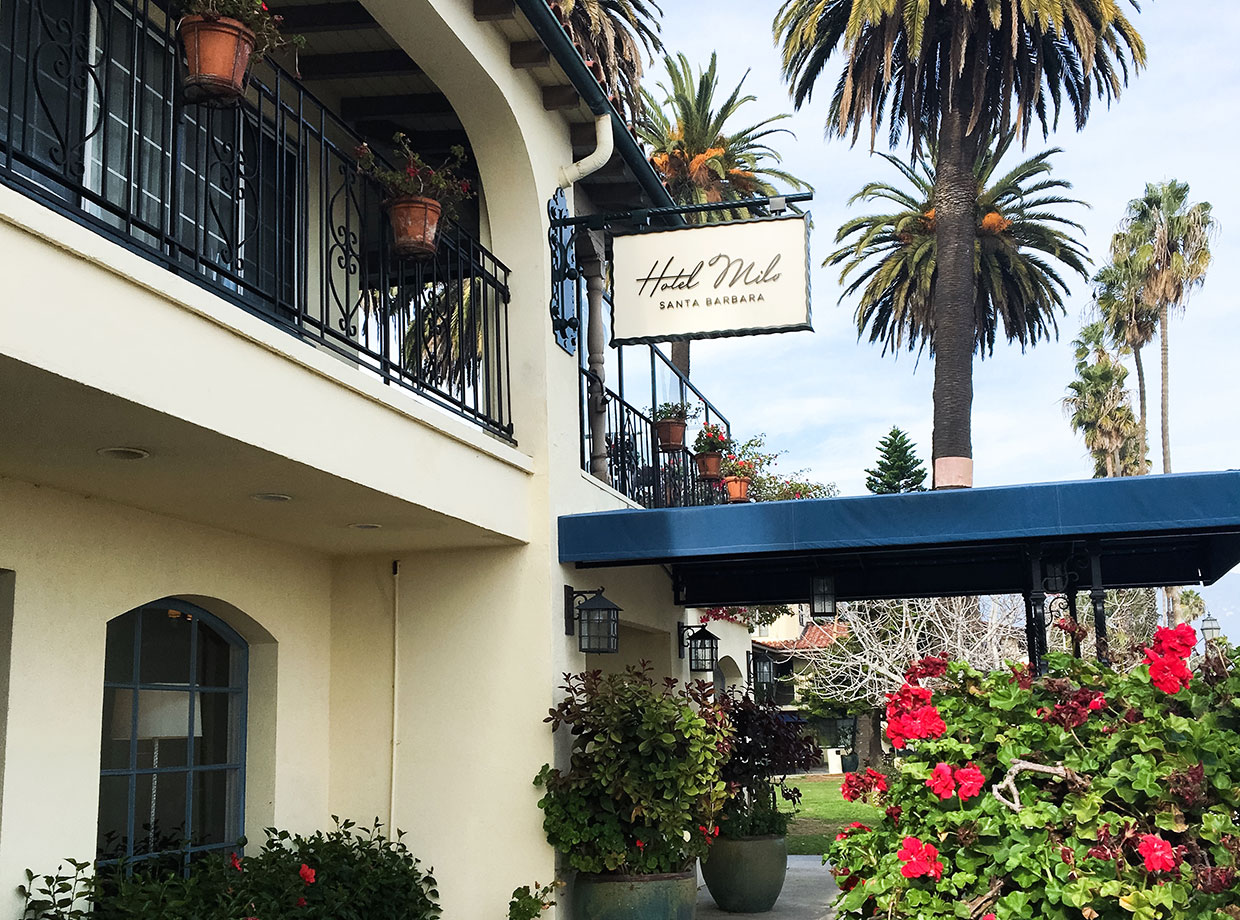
(640, 217)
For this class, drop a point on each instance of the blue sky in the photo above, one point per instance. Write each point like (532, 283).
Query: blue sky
(826, 399)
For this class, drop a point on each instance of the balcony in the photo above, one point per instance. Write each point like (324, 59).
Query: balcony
(259, 202)
(635, 465)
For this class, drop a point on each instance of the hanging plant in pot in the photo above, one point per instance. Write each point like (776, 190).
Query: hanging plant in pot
(745, 869)
(419, 196)
(222, 38)
(636, 805)
(708, 450)
(670, 419)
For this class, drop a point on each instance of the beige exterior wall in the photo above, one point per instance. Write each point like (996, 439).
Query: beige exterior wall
(462, 651)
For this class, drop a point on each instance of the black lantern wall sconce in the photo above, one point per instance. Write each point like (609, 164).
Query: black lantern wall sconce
(703, 647)
(599, 632)
(822, 597)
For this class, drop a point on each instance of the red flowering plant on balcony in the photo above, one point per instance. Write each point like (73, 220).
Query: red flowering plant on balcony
(1085, 793)
(416, 178)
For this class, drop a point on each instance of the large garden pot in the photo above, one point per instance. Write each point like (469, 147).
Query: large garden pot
(635, 897)
(745, 875)
(738, 488)
(708, 464)
(217, 56)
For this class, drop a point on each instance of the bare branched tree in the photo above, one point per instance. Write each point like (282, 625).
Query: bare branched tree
(884, 637)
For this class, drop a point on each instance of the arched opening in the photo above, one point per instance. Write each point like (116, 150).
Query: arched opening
(727, 675)
(172, 763)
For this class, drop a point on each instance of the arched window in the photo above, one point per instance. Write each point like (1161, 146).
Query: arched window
(172, 771)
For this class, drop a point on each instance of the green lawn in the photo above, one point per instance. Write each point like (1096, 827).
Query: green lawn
(823, 813)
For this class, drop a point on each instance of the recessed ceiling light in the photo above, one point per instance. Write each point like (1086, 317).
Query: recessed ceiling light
(123, 453)
(275, 497)
(366, 526)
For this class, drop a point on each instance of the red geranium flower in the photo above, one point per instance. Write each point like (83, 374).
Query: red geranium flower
(919, 859)
(301, 902)
(941, 782)
(306, 873)
(236, 863)
(971, 780)
(1158, 854)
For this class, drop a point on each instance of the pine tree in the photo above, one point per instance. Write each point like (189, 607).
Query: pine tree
(898, 469)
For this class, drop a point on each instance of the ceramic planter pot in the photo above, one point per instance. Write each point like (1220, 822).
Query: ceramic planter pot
(635, 897)
(415, 225)
(671, 433)
(217, 56)
(708, 464)
(746, 875)
(738, 488)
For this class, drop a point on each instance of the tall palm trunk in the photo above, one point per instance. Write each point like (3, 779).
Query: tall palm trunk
(1144, 464)
(955, 208)
(1166, 388)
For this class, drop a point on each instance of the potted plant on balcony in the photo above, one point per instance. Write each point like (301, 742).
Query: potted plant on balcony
(670, 419)
(712, 440)
(418, 195)
(221, 39)
(745, 868)
(636, 805)
(738, 473)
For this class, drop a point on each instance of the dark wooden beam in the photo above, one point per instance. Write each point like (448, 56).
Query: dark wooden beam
(494, 10)
(582, 136)
(325, 17)
(359, 108)
(525, 55)
(392, 62)
(559, 97)
(382, 129)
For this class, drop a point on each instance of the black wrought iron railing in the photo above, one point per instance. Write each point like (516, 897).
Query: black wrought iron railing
(260, 202)
(635, 465)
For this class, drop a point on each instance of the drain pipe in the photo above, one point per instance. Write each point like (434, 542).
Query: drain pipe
(395, 697)
(604, 147)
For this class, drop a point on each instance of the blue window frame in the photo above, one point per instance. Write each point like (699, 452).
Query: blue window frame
(172, 767)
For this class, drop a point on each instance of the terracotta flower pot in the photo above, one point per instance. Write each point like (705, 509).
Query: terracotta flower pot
(415, 225)
(671, 433)
(217, 56)
(738, 488)
(708, 464)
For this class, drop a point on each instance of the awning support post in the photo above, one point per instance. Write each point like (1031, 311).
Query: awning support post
(1098, 597)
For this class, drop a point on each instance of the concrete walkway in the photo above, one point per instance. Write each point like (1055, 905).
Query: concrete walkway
(808, 890)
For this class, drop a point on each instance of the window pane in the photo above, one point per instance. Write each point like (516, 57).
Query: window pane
(165, 647)
(220, 740)
(117, 725)
(215, 798)
(163, 725)
(118, 658)
(214, 658)
(162, 795)
(113, 815)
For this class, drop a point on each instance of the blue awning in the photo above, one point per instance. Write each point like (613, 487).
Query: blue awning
(1145, 531)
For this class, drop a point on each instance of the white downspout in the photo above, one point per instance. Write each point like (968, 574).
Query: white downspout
(391, 828)
(604, 147)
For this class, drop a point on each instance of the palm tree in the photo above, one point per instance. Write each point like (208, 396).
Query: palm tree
(615, 33)
(1098, 405)
(956, 71)
(1167, 240)
(702, 154)
(1018, 235)
(1119, 294)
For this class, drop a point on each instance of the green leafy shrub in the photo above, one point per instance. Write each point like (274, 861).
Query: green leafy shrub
(344, 874)
(643, 785)
(766, 747)
(1083, 794)
(528, 902)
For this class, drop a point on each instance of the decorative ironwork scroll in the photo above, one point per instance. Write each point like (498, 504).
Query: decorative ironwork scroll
(565, 307)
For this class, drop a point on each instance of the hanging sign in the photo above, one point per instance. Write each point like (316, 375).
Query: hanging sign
(703, 282)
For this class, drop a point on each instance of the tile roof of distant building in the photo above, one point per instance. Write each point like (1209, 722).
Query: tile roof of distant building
(813, 636)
